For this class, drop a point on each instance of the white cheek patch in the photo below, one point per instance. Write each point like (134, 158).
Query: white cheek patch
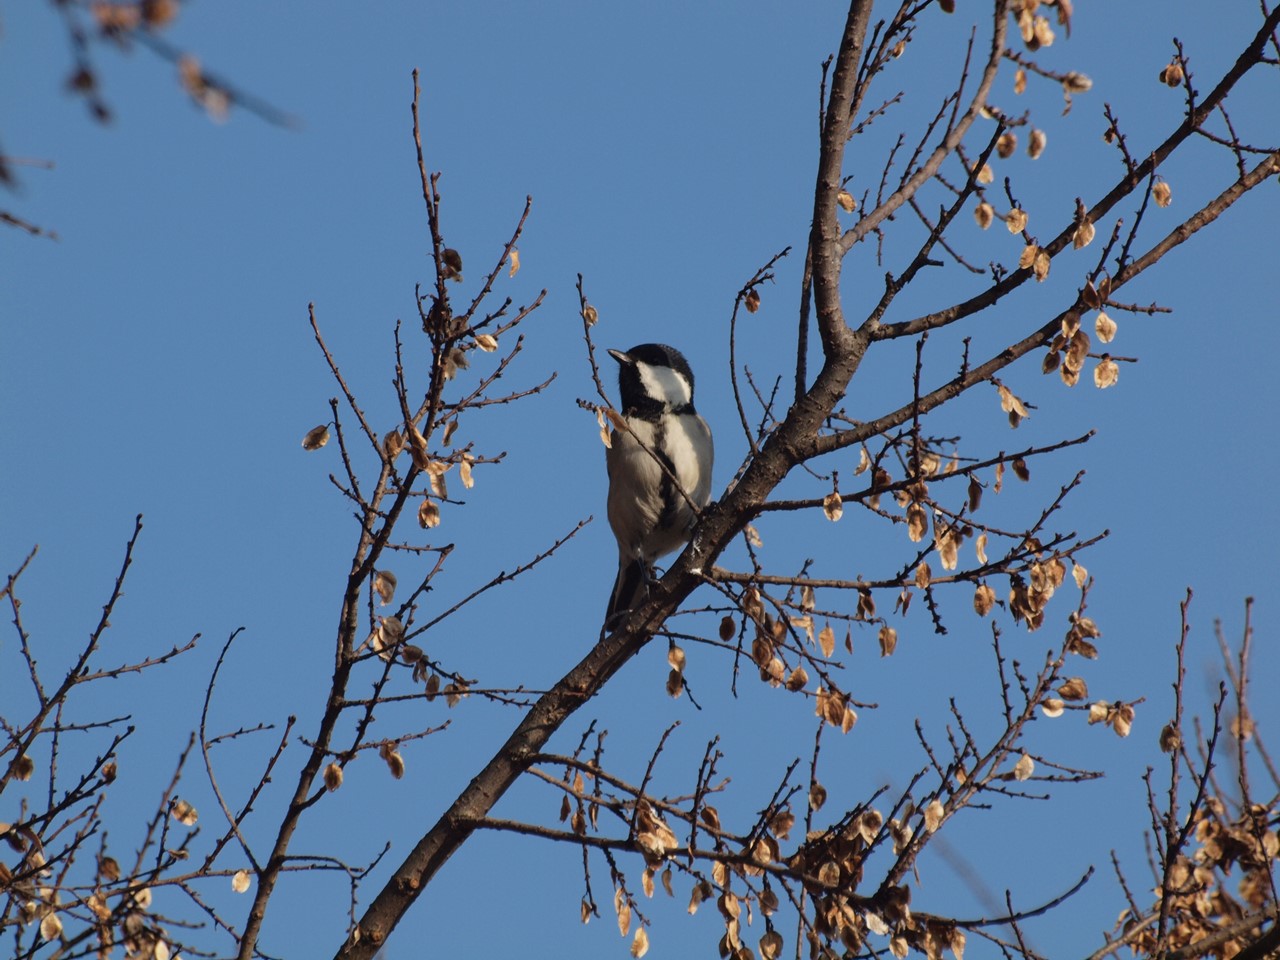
(664, 384)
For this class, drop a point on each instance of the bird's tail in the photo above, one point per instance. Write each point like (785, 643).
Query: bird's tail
(629, 591)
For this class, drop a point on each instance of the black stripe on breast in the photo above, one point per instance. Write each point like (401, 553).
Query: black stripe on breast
(667, 491)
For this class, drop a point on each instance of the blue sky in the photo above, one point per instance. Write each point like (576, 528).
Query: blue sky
(156, 359)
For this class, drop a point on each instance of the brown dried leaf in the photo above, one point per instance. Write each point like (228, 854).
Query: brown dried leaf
(391, 630)
(902, 834)
(1122, 719)
(866, 604)
(240, 881)
(1028, 257)
(332, 777)
(1041, 33)
(947, 542)
(590, 315)
(1006, 144)
(797, 679)
(1106, 373)
(752, 300)
(984, 598)
(1024, 768)
(1162, 193)
(390, 753)
(829, 874)
(316, 437)
(393, 443)
(984, 214)
(1016, 220)
(487, 342)
(428, 514)
(640, 944)
(727, 628)
(833, 506)
(623, 909)
(1076, 83)
(1105, 327)
(827, 641)
(817, 796)
(435, 470)
(917, 522)
(1041, 265)
(888, 638)
(699, 893)
(711, 817)
(384, 585)
(846, 201)
(1036, 144)
(934, 814)
(514, 258)
(418, 447)
(184, 813)
(455, 360)
(1083, 236)
(1011, 405)
(606, 436)
(848, 719)
(675, 684)
(98, 904)
(730, 906)
(1079, 574)
(1074, 688)
(924, 576)
(1052, 707)
(51, 926)
(868, 824)
(464, 471)
(1082, 648)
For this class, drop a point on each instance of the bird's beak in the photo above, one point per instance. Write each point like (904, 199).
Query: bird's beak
(621, 357)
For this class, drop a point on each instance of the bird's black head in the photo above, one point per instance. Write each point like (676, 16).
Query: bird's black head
(653, 377)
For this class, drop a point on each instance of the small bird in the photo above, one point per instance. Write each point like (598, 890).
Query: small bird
(659, 472)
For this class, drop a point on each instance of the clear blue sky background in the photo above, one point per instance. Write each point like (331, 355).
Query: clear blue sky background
(156, 358)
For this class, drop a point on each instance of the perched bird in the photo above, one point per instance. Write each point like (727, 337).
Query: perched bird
(659, 471)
